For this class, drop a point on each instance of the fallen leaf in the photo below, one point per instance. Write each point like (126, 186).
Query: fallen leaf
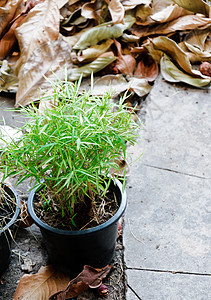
(198, 38)
(140, 86)
(142, 14)
(41, 285)
(114, 84)
(89, 277)
(95, 10)
(103, 32)
(171, 48)
(9, 39)
(7, 13)
(117, 11)
(197, 6)
(50, 58)
(172, 74)
(91, 53)
(93, 67)
(147, 68)
(168, 13)
(187, 22)
(125, 63)
(39, 27)
(130, 4)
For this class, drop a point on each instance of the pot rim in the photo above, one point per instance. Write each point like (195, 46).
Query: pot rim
(17, 208)
(112, 220)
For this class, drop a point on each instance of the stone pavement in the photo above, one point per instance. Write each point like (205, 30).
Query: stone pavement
(167, 220)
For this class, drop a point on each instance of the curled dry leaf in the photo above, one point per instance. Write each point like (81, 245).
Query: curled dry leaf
(92, 53)
(41, 285)
(125, 63)
(196, 6)
(140, 86)
(172, 74)
(172, 49)
(7, 13)
(187, 22)
(130, 4)
(40, 26)
(142, 14)
(103, 32)
(167, 13)
(89, 277)
(147, 68)
(114, 84)
(95, 66)
(117, 11)
(46, 60)
(95, 10)
(9, 39)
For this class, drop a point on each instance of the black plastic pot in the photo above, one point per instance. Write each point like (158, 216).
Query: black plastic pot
(69, 251)
(6, 233)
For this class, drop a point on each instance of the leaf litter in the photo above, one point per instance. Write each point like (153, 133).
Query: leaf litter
(105, 37)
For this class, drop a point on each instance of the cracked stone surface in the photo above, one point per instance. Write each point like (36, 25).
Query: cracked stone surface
(167, 220)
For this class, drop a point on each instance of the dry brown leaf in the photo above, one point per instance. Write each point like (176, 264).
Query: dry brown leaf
(61, 3)
(7, 13)
(162, 11)
(72, 40)
(95, 10)
(130, 4)
(114, 84)
(171, 73)
(117, 11)
(125, 63)
(41, 285)
(51, 57)
(197, 6)
(142, 14)
(9, 39)
(89, 277)
(183, 23)
(40, 26)
(147, 68)
(92, 53)
(140, 86)
(171, 48)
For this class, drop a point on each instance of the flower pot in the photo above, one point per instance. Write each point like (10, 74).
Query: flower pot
(6, 233)
(69, 251)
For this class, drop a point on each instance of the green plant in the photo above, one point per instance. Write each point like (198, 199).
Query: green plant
(71, 146)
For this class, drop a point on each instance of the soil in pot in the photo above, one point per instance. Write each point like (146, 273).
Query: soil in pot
(9, 211)
(105, 206)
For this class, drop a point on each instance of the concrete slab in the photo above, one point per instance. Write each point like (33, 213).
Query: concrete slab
(167, 221)
(178, 129)
(8, 117)
(167, 286)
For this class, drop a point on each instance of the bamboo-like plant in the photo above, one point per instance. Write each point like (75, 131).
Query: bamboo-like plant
(71, 147)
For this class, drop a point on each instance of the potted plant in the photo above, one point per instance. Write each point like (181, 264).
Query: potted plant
(9, 211)
(69, 150)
